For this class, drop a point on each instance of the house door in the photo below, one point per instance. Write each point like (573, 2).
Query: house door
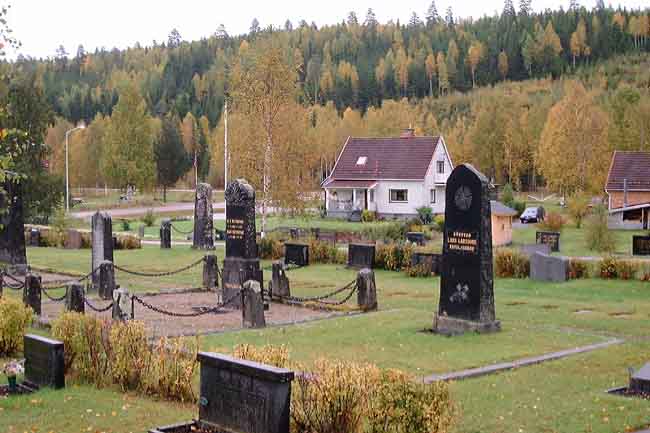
(646, 213)
(365, 201)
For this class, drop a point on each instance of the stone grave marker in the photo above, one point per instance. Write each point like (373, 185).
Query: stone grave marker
(166, 234)
(210, 272)
(279, 282)
(203, 225)
(361, 256)
(32, 292)
(73, 240)
(74, 298)
(641, 245)
(12, 233)
(430, 260)
(366, 290)
(253, 305)
(467, 281)
(544, 267)
(242, 262)
(106, 281)
(44, 362)
(141, 229)
(640, 380)
(416, 238)
(530, 249)
(551, 239)
(102, 243)
(296, 254)
(34, 237)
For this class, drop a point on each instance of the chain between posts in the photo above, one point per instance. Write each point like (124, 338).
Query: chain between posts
(66, 283)
(181, 231)
(52, 298)
(203, 312)
(97, 309)
(160, 274)
(352, 286)
(18, 286)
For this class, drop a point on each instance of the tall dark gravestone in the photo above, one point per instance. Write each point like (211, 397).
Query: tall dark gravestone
(242, 262)
(641, 245)
(12, 233)
(203, 238)
(467, 281)
(101, 226)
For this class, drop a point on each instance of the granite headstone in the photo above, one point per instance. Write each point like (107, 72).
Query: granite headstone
(296, 254)
(551, 239)
(242, 262)
(416, 238)
(279, 282)
(32, 292)
(361, 256)
(366, 290)
(467, 282)
(102, 243)
(544, 267)
(203, 225)
(641, 245)
(166, 234)
(44, 362)
(73, 240)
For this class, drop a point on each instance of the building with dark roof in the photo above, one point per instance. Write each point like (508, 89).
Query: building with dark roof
(390, 176)
(628, 190)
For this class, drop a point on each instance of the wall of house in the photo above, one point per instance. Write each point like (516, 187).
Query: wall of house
(616, 221)
(501, 230)
(386, 208)
(433, 177)
(616, 198)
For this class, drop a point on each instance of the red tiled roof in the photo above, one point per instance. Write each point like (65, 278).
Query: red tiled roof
(349, 183)
(631, 166)
(387, 158)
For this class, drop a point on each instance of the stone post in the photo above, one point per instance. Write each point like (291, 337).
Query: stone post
(203, 225)
(74, 299)
(166, 234)
(32, 292)
(121, 305)
(102, 242)
(106, 280)
(279, 281)
(252, 305)
(210, 272)
(366, 290)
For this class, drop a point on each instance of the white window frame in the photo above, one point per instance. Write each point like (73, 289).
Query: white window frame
(432, 196)
(371, 196)
(440, 164)
(362, 160)
(390, 195)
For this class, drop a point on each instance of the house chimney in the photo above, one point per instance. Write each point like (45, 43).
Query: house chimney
(624, 192)
(407, 133)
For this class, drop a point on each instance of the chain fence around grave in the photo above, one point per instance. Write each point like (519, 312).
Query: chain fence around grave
(323, 300)
(166, 274)
(182, 232)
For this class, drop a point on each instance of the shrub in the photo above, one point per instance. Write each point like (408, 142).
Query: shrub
(394, 256)
(578, 269)
(511, 264)
(439, 221)
(170, 372)
(131, 354)
(271, 248)
(400, 404)
(128, 242)
(277, 356)
(519, 206)
(507, 195)
(325, 252)
(626, 269)
(126, 225)
(368, 216)
(425, 214)
(553, 222)
(149, 219)
(395, 231)
(598, 235)
(578, 206)
(332, 399)
(418, 271)
(608, 268)
(15, 317)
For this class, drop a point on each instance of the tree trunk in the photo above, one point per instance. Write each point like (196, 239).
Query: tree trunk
(164, 193)
(430, 87)
(266, 180)
(196, 170)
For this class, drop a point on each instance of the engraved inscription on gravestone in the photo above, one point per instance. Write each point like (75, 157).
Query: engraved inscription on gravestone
(466, 284)
(552, 239)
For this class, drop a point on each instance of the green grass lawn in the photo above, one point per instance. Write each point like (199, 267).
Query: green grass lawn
(99, 200)
(559, 396)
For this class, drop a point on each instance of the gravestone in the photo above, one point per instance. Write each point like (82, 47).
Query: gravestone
(73, 240)
(415, 238)
(641, 245)
(141, 231)
(106, 285)
(12, 233)
(366, 290)
(34, 238)
(32, 292)
(210, 272)
(244, 396)
(431, 261)
(279, 281)
(530, 249)
(315, 232)
(552, 239)
(44, 362)
(253, 305)
(467, 281)
(121, 305)
(166, 234)
(544, 267)
(203, 237)
(294, 233)
(296, 254)
(361, 256)
(640, 380)
(242, 262)
(102, 242)
(74, 298)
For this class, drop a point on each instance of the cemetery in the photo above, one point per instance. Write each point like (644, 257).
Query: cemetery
(548, 344)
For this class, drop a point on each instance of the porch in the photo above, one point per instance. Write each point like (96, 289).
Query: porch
(343, 197)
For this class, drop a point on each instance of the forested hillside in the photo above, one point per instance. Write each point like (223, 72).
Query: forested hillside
(530, 98)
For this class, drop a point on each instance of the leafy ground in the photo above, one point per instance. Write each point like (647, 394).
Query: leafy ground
(559, 396)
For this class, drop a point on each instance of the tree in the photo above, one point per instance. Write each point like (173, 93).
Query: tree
(128, 158)
(174, 39)
(578, 206)
(263, 91)
(172, 161)
(371, 19)
(432, 16)
(509, 9)
(525, 7)
(578, 41)
(574, 151)
(598, 236)
(449, 17)
(430, 66)
(191, 135)
(415, 21)
(352, 19)
(255, 27)
(452, 59)
(475, 55)
(503, 64)
(443, 76)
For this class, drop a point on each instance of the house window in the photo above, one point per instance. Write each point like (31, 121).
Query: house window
(362, 160)
(441, 167)
(432, 195)
(399, 195)
(371, 195)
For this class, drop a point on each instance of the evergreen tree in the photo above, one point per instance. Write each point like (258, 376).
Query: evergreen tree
(172, 162)
(174, 39)
(415, 21)
(371, 19)
(255, 27)
(352, 19)
(509, 9)
(449, 17)
(432, 16)
(525, 7)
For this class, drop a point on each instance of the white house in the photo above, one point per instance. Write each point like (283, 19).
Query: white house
(390, 176)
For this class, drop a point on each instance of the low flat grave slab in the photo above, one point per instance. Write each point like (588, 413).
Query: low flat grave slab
(226, 320)
(641, 245)
(639, 386)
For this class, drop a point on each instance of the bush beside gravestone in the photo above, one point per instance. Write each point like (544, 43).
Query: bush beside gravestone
(15, 318)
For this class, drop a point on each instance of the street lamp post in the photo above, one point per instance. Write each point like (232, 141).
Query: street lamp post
(67, 178)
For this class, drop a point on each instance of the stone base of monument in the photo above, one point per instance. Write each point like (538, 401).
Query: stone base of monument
(235, 272)
(451, 326)
(639, 384)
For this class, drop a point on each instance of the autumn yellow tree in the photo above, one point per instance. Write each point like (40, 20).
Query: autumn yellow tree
(190, 135)
(503, 64)
(475, 55)
(443, 76)
(578, 41)
(574, 150)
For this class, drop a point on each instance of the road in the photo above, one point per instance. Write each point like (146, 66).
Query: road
(170, 207)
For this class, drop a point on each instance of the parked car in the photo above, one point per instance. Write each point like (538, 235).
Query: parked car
(532, 215)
